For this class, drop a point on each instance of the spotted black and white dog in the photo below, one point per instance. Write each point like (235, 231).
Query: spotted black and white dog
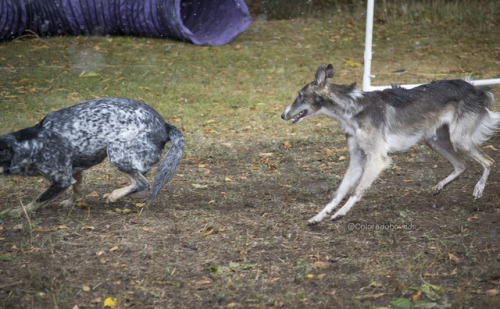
(68, 141)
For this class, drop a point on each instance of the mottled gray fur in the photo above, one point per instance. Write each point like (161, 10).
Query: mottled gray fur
(68, 141)
(451, 116)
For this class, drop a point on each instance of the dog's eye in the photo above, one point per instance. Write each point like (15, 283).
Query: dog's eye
(301, 94)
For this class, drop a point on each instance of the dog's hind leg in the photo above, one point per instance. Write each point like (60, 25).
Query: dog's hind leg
(350, 180)
(77, 190)
(441, 144)
(137, 183)
(485, 160)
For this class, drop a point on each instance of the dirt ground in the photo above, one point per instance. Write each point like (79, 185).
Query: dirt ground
(237, 237)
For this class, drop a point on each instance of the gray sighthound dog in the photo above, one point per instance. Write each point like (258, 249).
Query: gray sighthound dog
(68, 141)
(451, 116)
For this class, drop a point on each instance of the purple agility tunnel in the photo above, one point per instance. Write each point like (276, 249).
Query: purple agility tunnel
(201, 22)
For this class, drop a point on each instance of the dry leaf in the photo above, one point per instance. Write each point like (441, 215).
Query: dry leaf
(113, 249)
(288, 144)
(93, 194)
(416, 297)
(328, 152)
(453, 257)
(109, 302)
(86, 288)
(369, 296)
(96, 300)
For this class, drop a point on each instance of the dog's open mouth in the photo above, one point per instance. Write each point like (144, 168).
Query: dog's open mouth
(299, 116)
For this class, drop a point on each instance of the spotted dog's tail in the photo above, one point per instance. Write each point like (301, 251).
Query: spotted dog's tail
(169, 163)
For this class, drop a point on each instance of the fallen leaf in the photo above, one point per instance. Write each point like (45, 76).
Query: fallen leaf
(227, 179)
(453, 257)
(93, 194)
(328, 152)
(113, 249)
(86, 288)
(319, 264)
(431, 291)
(416, 297)
(288, 144)
(96, 300)
(369, 296)
(109, 302)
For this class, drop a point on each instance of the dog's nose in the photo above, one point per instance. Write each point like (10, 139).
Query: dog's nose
(283, 116)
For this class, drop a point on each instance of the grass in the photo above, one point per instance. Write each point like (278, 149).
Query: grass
(232, 233)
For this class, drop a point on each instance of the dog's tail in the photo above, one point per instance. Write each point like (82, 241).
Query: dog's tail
(490, 122)
(169, 163)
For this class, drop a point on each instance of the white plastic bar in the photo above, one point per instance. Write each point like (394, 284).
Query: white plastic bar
(368, 58)
(368, 45)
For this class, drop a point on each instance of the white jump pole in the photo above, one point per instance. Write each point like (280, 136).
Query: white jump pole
(368, 58)
(368, 46)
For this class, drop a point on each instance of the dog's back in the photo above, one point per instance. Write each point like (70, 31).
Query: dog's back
(90, 127)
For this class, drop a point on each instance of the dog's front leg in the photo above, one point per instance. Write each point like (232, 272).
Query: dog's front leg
(350, 180)
(374, 166)
(52, 192)
(77, 190)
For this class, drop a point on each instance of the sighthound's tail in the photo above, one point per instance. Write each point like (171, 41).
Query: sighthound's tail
(169, 163)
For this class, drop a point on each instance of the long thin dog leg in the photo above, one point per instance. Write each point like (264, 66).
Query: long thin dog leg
(478, 155)
(441, 144)
(374, 166)
(350, 180)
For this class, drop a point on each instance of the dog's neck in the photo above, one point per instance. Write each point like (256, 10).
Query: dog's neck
(343, 102)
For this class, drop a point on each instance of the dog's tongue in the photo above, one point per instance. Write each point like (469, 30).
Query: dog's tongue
(300, 115)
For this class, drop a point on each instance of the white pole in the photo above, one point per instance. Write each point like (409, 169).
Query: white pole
(368, 58)
(368, 46)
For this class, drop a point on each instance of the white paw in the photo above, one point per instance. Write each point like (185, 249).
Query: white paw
(67, 203)
(478, 191)
(338, 215)
(317, 219)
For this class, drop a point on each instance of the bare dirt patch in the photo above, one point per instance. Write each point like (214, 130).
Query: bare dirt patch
(237, 238)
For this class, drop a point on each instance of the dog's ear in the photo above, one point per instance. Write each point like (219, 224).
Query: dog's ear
(321, 75)
(329, 71)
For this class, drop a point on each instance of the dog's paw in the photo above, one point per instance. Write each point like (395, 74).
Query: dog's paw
(67, 203)
(478, 191)
(316, 219)
(312, 222)
(337, 216)
(436, 189)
